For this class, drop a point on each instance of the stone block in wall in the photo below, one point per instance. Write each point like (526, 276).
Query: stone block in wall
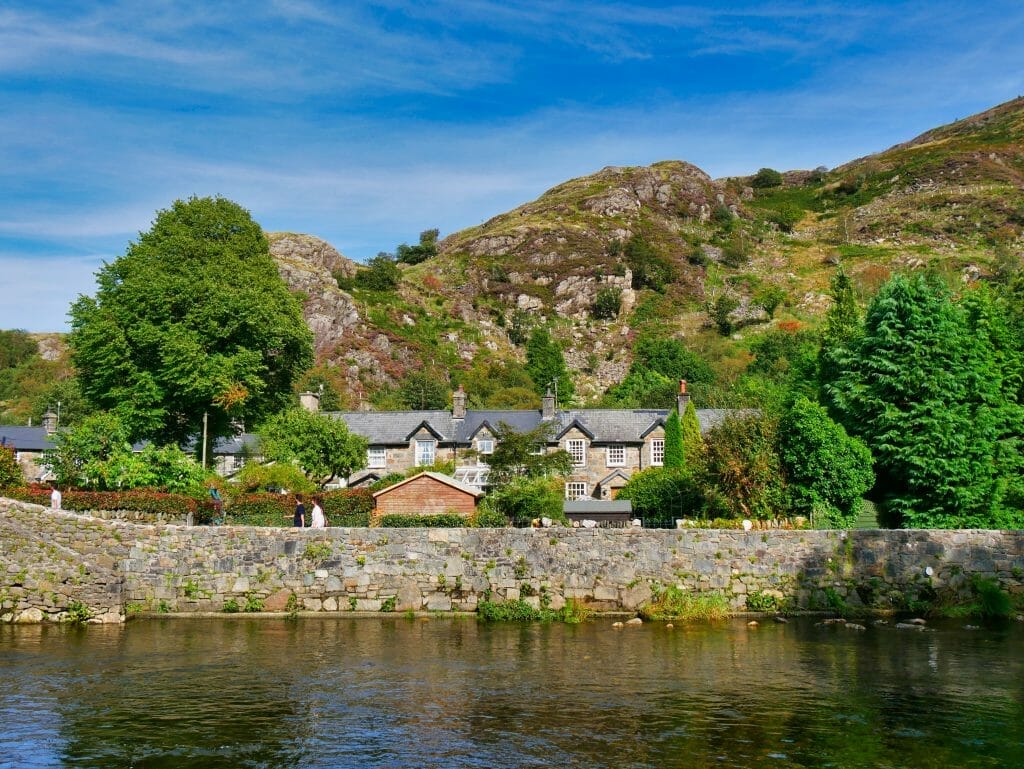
(409, 596)
(439, 602)
(277, 601)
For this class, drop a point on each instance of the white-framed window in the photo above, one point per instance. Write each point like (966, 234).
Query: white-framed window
(376, 457)
(577, 450)
(425, 452)
(576, 490)
(485, 445)
(473, 476)
(658, 452)
(616, 455)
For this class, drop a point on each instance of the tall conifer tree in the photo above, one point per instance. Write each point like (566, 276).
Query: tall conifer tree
(673, 441)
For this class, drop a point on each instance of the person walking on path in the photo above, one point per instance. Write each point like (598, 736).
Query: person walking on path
(55, 499)
(319, 520)
(300, 513)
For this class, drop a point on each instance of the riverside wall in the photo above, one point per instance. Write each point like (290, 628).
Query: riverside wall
(52, 564)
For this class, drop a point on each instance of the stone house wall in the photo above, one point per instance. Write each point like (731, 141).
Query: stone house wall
(403, 458)
(596, 467)
(50, 559)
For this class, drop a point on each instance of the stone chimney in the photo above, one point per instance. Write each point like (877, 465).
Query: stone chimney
(459, 404)
(547, 406)
(682, 398)
(310, 401)
(50, 422)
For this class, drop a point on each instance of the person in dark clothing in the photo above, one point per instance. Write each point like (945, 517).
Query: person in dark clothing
(300, 512)
(218, 505)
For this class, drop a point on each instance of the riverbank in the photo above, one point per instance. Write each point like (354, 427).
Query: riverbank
(56, 566)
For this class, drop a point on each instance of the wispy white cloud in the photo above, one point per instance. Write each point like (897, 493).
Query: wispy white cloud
(367, 122)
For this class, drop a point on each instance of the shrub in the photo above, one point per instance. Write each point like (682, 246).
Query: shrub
(77, 613)
(660, 495)
(765, 178)
(261, 510)
(994, 602)
(827, 469)
(674, 603)
(388, 480)
(348, 507)
(10, 470)
(438, 521)
(519, 610)
(650, 269)
(253, 603)
(256, 477)
(523, 499)
(607, 303)
(786, 216)
(507, 611)
(770, 297)
(487, 517)
(758, 601)
(380, 274)
(135, 500)
(743, 472)
(720, 310)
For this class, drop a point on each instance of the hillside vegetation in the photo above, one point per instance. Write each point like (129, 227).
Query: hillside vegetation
(610, 261)
(606, 260)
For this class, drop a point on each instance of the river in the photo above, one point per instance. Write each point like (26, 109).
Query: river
(401, 692)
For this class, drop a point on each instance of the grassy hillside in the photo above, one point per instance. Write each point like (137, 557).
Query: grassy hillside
(604, 261)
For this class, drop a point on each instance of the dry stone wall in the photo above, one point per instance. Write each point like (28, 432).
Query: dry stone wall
(49, 560)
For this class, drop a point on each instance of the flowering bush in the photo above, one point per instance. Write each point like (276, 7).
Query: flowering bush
(136, 500)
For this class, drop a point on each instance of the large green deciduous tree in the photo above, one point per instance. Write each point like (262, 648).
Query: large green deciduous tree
(323, 447)
(922, 387)
(193, 318)
(96, 454)
(828, 470)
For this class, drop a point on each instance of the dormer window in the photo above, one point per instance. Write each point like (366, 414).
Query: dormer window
(485, 445)
(425, 452)
(376, 457)
(658, 452)
(577, 450)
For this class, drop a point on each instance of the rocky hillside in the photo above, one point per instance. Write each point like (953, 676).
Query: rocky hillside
(730, 258)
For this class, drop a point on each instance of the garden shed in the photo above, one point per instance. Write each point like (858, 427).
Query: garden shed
(427, 493)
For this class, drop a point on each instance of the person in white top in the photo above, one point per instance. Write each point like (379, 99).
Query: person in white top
(319, 520)
(55, 499)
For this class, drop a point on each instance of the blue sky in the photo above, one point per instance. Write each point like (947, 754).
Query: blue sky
(365, 123)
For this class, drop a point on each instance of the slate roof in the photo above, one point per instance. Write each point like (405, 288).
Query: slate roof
(25, 438)
(394, 428)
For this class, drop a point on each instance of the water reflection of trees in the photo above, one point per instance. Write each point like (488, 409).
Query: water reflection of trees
(439, 693)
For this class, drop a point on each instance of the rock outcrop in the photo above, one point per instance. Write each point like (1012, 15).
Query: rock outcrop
(309, 265)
